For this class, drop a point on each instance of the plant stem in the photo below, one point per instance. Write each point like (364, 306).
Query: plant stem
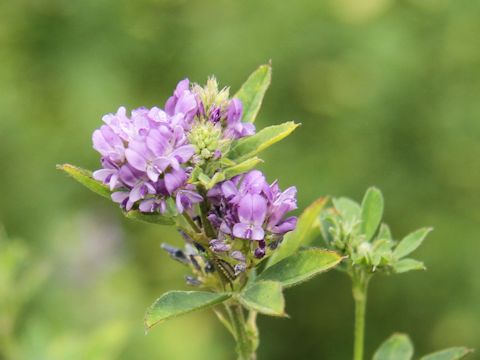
(191, 223)
(359, 291)
(245, 344)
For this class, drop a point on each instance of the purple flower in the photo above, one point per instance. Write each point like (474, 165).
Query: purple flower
(248, 208)
(219, 246)
(147, 156)
(252, 210)
(182, 101)
(186, 199)
(235, 128)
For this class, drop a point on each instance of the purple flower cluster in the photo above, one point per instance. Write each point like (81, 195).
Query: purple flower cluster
(147, 157)
(247, 207)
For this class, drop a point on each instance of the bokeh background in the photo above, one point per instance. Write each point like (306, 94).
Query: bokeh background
(388, 95)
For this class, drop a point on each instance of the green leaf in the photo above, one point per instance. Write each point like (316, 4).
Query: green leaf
(265, 297)
(405, 265)
(176, 303)
(454, 353)
(249, 146)
(348, 209)
(252, 91)
(307, 229)
(241, 167)
(411, 242)
(152, 218)
(371, 213)
(85, 178)
(396, 347)
(300, 267)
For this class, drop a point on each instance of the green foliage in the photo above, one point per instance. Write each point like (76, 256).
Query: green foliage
(265, 297)
(253, 90)
(176, 303)
(454, 353)
(307, 229)
(21, 277)
(400, 347)
(154, 218)
(396, 347)
(371, 212)
(300, 267)
(357, 232)
(85, 178)
(241, 167)
(250, 146)
(411, 242)
(405, 265)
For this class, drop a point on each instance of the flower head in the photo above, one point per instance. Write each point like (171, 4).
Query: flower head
(248, 208)
(148, 155)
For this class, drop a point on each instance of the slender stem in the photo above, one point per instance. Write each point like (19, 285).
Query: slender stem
(359, 290)
(245, 345)
(224, 320)
(191, 223)
(207, 227)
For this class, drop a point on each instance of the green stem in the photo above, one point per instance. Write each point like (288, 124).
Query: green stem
(359, 290)
(207, 227)
(245, 344)
(191, 223)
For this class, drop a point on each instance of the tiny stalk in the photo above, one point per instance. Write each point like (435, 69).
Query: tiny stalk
(360, 281)
(246, 340)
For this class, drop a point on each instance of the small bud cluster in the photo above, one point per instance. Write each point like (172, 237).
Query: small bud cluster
(356, 231)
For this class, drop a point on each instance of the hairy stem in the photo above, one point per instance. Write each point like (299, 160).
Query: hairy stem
(359, 291)
(245, 343)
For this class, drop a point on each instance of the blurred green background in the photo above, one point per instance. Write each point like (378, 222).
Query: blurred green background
(388, 95)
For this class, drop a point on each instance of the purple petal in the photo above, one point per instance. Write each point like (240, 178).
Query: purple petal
(237, 255)
(148, 205)
(136, 160)
(288, 225)
(245, 231)
(235, 110)
(120, 197)
(184, 153)
(174, 180)
(252, 209)
(219, 246)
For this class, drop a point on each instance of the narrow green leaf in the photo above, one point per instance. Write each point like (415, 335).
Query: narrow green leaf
(85, 178)
(265, 297)
(371, 213)
(348, 209)
(216, 178)
(307, 229)
(176, 303)
(405, 265)
(153, 218)
(249, 146)
(396, 347)
(411, 242)
(300, 267)
(242, 167)
(252, 91)
(454, 353)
